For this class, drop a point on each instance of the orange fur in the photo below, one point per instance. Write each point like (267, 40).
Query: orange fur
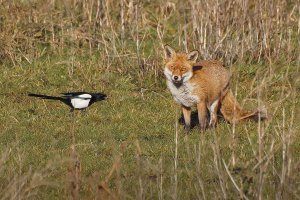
(204, 84)
(234, 113)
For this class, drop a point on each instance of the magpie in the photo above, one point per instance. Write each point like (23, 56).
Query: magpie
(75, 100)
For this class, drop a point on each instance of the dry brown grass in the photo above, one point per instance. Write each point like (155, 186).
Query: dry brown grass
(249, 31)
(124, 39)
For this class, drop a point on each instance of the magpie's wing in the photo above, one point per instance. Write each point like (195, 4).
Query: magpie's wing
(99, 96)
(76, 95)
(72, 94)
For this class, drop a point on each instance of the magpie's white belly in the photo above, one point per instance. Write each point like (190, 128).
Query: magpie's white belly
(82, 101)
(183, 94)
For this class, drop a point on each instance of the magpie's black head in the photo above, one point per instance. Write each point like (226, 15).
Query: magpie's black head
(99, 96)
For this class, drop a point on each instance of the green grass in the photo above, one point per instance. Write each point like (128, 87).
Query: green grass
(138, 124)
(126, 147)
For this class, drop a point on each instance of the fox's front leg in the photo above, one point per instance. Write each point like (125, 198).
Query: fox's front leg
(202, 114)
(187, 118)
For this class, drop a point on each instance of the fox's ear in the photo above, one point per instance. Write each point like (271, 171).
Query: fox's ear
(169, 52)
(192, 56)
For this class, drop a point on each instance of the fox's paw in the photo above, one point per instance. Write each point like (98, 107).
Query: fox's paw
(212, 125)
(262, 113)
(203, 127)
(187, 129)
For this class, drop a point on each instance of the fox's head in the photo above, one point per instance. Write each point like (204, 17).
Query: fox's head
(179, 66)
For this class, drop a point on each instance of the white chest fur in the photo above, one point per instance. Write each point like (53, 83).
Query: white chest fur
(183, 94)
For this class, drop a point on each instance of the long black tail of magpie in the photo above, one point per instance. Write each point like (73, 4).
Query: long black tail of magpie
(44, 96)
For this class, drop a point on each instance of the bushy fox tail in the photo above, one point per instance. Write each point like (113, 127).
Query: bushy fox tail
(234, 113)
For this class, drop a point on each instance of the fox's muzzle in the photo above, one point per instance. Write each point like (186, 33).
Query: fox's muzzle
(176, 78)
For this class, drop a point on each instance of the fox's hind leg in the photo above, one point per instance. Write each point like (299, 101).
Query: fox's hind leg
(213, 109)
(187, 118)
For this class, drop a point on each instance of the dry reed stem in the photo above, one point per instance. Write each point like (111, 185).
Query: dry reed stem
(175, 193)
(234, 183)
(210, 24)
(218, 166)
(75, 165)
(199, 172)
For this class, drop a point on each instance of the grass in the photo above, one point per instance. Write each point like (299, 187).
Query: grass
(133, 146)
(138, 125)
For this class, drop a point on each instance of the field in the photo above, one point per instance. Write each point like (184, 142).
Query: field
(133, 146)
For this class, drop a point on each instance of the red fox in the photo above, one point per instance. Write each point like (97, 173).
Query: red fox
(204, 84)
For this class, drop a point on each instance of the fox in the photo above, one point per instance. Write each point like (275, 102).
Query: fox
(205, 85)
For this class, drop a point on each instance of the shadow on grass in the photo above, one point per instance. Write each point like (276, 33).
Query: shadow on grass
(194, 119)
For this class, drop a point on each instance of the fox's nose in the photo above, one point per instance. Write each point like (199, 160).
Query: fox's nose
(175, 78)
